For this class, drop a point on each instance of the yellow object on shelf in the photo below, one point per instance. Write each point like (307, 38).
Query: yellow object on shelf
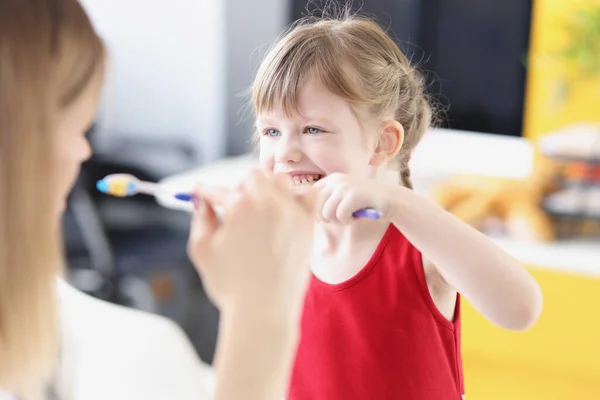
(557, 359)
(543, 110)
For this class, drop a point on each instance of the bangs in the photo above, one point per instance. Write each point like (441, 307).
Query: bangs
(303, 56)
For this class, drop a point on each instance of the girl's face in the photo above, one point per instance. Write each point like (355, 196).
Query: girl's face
(323, 137)
(73, 147)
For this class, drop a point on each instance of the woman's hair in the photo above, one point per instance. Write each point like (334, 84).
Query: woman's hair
(355, 59)
(49, 53)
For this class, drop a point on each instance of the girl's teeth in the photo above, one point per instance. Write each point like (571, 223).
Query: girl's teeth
(302, 180)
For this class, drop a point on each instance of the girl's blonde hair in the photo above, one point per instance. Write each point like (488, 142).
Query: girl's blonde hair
(355, 59)
(49, 53)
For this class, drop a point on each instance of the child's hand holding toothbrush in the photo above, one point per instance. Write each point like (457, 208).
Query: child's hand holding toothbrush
(341, 198)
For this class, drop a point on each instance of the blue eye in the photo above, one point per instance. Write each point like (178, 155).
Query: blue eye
(312, 130)
(272, 132)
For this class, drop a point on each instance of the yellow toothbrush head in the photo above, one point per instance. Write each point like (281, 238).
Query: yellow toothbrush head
(118, 185)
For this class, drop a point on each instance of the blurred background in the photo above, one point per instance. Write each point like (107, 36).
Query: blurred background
(519, 85)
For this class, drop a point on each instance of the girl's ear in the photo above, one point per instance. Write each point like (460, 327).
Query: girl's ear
(389, 142)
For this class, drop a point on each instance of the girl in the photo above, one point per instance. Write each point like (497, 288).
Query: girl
(51, 71)
(337, 104)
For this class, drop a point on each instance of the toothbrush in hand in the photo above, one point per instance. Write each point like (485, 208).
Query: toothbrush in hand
(126, 185)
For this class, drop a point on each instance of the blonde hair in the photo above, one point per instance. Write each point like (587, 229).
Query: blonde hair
(49, 53)
(355, 59)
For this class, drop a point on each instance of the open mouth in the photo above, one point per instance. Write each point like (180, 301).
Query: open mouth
(301, 180)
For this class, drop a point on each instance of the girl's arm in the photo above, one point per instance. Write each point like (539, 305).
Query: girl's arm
(491, 280)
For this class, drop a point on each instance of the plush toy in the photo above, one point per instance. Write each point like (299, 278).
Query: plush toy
(515, 203)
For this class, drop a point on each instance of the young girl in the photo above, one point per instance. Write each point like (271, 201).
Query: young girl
(337, 104)
(51, 71)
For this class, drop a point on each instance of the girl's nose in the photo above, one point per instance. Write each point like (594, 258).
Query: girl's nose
(288, 152)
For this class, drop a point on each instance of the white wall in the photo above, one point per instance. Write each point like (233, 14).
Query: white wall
(178, 66)
(167, 70)
(252, 27)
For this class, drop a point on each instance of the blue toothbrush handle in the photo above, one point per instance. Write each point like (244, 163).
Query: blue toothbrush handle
(184, 196)
(369, 213)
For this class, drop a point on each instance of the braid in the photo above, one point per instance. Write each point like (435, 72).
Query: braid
(405, 176)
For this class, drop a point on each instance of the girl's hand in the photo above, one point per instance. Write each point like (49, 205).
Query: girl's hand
(257, 252)
(340, 195)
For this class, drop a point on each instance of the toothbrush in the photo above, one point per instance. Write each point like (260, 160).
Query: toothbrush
(126, 185)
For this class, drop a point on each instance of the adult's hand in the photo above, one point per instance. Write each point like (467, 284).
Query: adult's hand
(257, 248)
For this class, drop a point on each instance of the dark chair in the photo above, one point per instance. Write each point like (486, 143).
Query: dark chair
(132, 251)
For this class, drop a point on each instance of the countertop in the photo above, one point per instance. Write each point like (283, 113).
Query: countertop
(441, 153)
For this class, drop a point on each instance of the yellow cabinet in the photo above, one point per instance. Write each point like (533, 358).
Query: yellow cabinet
(557, 359)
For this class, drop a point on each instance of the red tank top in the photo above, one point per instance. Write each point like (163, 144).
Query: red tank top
(378, 335)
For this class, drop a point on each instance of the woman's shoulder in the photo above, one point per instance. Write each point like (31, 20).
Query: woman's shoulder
(155, 357)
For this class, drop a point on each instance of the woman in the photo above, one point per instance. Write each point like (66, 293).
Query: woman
(51, 72)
